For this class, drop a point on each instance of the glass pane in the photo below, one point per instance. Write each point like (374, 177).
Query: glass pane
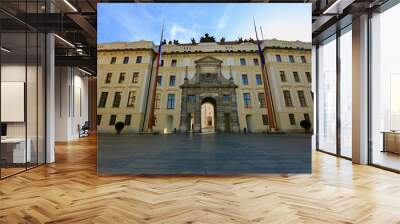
(385, 84)
(346, 93)
(327, 96)
(13, 87)
(41, 98)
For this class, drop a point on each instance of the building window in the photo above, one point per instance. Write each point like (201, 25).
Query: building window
(159, 80)
(173, 63)
(265, 119)
(242, 61)
(283, 76)
(126, 60)
(135, 77)
(246, 100)
(245, 80)
(258, 79)
(158, 101)
(103, 99)
(138, 59)
(308, 77)
(261, 99)
(296, 77)
(108, 78)
(171, 101)
(121, 77)
(112, 119)
(113, 60)
(131, 99)
(292, 120)
(278, 58)
(288, 98)
(172, 80)
(303, 59)
(307, 117)
(162, 63)
(98, 119)
(302, 99)
(227, 98)
(291, 58)
(117, 99)
(128, 119)
(255, 61)
(191, 99)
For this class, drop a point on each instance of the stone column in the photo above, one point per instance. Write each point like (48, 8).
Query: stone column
(183, 125)
(234, 115)
(197, 114)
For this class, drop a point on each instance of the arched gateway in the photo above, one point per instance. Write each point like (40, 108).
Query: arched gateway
(209, 90)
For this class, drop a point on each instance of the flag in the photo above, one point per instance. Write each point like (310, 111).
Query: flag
(259, 45)
(160, 48)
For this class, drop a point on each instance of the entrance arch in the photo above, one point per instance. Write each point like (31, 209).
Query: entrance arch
(249, 123)
(208, 115)
(169, 123)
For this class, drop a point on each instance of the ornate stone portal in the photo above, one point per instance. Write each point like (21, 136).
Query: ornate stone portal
(209, 86)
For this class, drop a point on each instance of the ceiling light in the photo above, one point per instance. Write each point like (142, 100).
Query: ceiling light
(70, 5)
(5, 50)
(64, 40)
(84, 71)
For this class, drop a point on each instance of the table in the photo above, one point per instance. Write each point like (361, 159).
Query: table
(13, 150)
(391, 141)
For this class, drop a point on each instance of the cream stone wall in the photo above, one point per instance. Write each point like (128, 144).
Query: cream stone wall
(185, 54)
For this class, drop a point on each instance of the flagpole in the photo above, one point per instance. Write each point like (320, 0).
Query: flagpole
(267, 89)
(153, 96)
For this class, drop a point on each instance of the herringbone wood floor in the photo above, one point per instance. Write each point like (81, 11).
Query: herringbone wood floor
(70, 191)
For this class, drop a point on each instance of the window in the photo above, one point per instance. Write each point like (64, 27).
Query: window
(171, 101)
(135, 77)
(307, 117)
(227, 98)
(191, 99)
(173, 63)
(126, 60)
(112, 119)
(265, 119)
(98, 119)
(302, 99)
(296, 77)
(255, 61)
(242, 61)
(131, 99)
(278, 58)
(303, 59)
(159, 80)
(258, 79)
(117, 99)
(261, 99)
(103, 99)
(121, 77)
(288, 98)
(172, 80)
(283, 76)
(291, 58)
(292, 119)
(245, 80)
(308, 75)
(108, 78)
(138, 59)
(158, 101)
(162, 63)
(128, 119)
(246, 100)
(113, 60)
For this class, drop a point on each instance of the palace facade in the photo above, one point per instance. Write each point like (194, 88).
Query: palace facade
(204, 86)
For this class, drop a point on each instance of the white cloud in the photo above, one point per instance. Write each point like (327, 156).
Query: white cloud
(222, 21)
(180, 33)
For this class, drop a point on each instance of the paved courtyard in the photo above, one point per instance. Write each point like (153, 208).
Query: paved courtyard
(203, 153)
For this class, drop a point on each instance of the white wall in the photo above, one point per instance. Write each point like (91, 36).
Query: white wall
(71, 102)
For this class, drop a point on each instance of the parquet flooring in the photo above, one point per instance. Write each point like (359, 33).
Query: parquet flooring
(70, 191)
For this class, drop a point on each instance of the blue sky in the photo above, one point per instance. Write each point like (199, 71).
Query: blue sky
(135, 21)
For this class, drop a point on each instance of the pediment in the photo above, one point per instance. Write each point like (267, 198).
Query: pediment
(208, 60)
